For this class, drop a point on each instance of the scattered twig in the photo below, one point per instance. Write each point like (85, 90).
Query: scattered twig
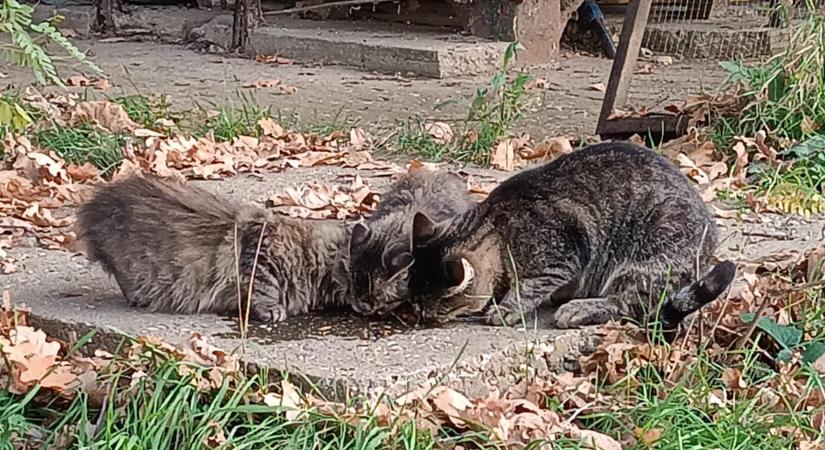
(745, 337)
(327, 5)
(777, 236)
(800, 287)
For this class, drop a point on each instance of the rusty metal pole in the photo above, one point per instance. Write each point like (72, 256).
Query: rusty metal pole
(630, 42)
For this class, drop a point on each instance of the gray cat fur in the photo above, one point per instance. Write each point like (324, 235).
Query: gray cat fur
(599, 233)
(380, 249)
(176, 248)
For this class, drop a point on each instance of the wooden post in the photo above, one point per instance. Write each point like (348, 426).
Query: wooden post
(630, 42)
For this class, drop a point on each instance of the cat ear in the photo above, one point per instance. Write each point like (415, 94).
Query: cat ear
(396, 259)
(360, 234)
(423, 228)
(454, 273)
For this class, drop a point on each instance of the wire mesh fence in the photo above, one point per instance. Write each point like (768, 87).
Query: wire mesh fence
(684, 42)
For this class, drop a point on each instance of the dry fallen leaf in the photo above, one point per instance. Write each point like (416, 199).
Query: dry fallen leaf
(451, 403)
(504, 156)
(441, 132)
(268, 84)
(273, 59)
(79, 80)
(597, 441)
(86, 172)
(289, 400)
(648, 437)
(107, 115)
(598, 87)
(549, 149)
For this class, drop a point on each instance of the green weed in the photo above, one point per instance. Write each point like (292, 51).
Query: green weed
(144, 110)
(165, 409)
(227, 122)
(15, 116)
(84, 143)
(786, 95)
(491, 115)
(412, 137)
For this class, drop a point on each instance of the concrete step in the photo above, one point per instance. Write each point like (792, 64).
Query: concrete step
(372, 46)
(387, 48)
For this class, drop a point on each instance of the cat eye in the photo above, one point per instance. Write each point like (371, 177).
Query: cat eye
(396, 260)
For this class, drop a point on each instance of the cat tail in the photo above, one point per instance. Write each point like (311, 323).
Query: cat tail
(170, 246)
(691, 298)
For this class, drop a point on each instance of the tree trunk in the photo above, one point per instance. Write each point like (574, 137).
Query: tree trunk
(105, 11)
(247, 15)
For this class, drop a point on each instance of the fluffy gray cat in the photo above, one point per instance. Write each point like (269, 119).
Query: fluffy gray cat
(177, 248)
(599, 233)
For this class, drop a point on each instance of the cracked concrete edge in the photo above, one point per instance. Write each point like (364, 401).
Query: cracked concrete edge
(538, 355)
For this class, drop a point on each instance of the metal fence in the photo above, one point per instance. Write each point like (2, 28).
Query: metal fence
(693, 36)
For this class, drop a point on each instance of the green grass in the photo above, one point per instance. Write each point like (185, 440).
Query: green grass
(165, 410)
(84, 143)
(227, 122)
(785, 98)
(144, 110)
(413, 138)
(494, 110)
(685, 418)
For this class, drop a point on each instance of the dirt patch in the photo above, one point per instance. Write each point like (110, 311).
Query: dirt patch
(567, 105)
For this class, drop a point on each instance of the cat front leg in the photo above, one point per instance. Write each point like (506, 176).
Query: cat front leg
(268, 304)
(523, 300)
(270, 312)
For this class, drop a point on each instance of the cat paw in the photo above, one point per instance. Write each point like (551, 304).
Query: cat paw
(503, 315)
(270, 313)
(575, 314)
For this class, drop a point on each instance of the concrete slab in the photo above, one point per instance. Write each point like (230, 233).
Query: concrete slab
(384, 48)
(387, 48)
(339, 352)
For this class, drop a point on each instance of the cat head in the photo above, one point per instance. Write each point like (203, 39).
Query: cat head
(442, 280)
(379, 263)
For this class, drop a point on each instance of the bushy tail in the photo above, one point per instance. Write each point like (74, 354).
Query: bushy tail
(697, 295)
(169, 246)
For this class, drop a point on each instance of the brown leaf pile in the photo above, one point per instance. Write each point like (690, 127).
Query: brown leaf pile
(319, 201)
(37, 187)
(513, 418)
(32, 358)
(512, 153)
(766, 291)
(713, 169)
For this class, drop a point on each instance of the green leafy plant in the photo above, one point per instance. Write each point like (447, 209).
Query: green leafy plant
(788, 337)
(229, 121)
(785, 95)
(29, 41)
(13, 117)
(495, 108)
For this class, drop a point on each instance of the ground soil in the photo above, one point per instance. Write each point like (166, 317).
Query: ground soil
(568, 104)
